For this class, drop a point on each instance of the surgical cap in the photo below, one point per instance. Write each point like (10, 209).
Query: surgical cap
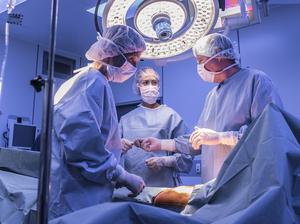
(138, 76)
(214, 43)
(116, 40)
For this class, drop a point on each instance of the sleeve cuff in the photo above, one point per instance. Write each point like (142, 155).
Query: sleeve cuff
(168, 145)
(113, 174)
(229, 138)
(170, 161)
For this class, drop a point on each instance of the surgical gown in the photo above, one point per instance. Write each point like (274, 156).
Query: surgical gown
(231, 106)
(163, 123)
(86, 143)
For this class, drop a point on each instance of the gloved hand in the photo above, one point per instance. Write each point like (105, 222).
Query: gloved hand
(126, 144)
(138, 143)
(156, 163)
(153, 144)
(204, 136)
(131, 181)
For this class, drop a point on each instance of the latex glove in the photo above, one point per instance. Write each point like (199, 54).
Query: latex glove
(131, 181)
(151, 144)
(126, 144)
(204, 136)
(156, 163)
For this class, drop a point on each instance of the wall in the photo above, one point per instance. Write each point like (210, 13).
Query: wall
(17, 94)
(274, 47)
(38, 107)
(24, 61)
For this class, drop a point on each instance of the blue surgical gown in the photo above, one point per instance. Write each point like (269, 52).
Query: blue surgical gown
(163, 123)
(86, 144)
(231, 106)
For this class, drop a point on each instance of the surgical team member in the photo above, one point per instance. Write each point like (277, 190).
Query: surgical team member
(239, 97)
(158, 169)
(86, 141)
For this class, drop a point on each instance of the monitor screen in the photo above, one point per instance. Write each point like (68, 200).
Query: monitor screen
(232, 8)
(23, 135)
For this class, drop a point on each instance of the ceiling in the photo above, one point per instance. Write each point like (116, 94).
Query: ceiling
(75, 27)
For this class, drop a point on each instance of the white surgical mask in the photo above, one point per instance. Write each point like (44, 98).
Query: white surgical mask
(120, 74)
(204, 74)
(209, 76)
(149, 93)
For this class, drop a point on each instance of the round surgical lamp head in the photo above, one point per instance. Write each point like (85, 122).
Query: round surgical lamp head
(170, 27)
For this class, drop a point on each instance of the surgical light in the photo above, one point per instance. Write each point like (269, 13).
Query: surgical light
(169, 27)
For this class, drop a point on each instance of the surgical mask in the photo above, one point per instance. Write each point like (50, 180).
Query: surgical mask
(149, 93)
(120, 74)
(209, 76)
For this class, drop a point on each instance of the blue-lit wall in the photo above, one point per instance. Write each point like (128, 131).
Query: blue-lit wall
(17, 94)
(274, 47)
(24, 62)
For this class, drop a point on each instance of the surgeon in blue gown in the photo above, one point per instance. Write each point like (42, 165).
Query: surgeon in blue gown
(86, 142)
(158, 169)
(239, 98)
